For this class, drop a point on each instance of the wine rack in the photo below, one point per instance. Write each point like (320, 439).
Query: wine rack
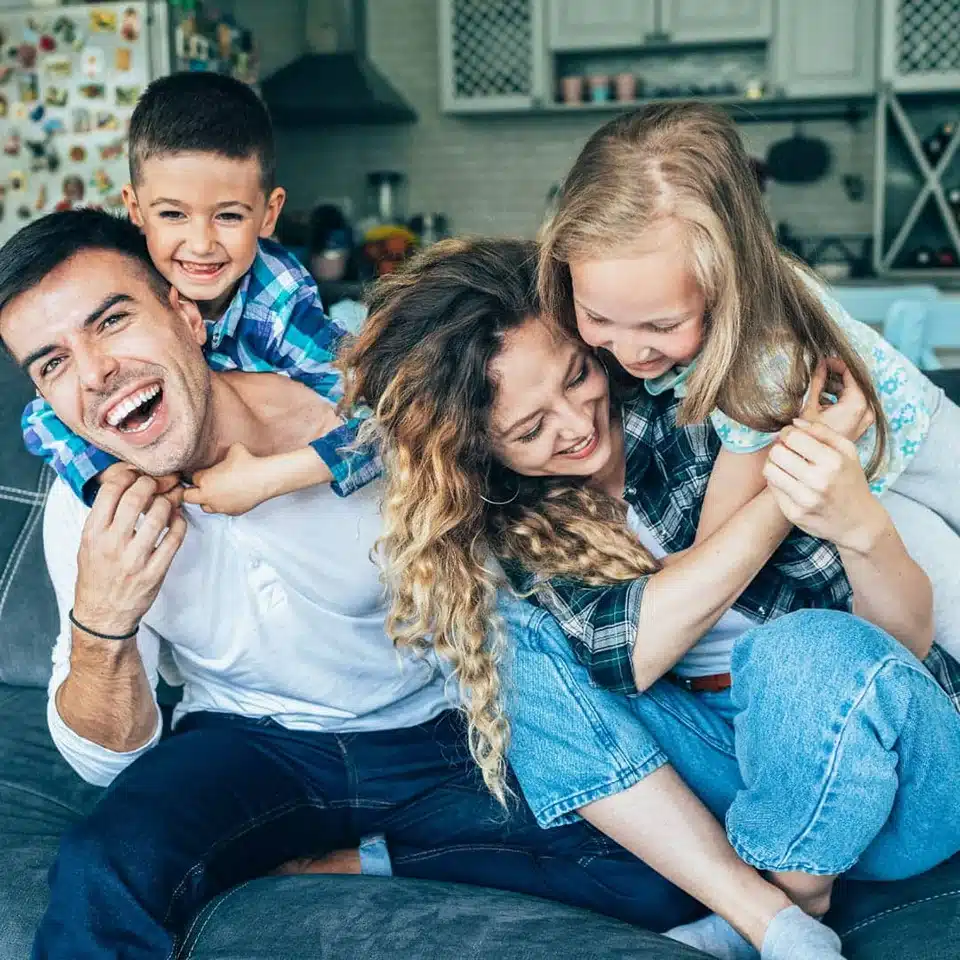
(917, 199)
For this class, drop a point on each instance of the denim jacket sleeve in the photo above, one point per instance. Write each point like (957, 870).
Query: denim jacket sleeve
(75, 460)
(305, 347)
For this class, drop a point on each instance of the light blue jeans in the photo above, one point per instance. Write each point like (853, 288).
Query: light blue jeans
(834, 751)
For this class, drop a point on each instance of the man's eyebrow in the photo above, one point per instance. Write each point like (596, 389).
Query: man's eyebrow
(104, 305)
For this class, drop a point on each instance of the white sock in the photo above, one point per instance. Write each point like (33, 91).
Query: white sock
(713, 935)
(795, 935)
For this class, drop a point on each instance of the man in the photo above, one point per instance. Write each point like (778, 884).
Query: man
(301, 730)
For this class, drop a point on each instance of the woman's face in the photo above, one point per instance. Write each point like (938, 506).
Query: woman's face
(646, 308)
(551, 412)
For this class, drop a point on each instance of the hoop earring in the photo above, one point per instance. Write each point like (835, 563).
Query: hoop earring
(502, 503)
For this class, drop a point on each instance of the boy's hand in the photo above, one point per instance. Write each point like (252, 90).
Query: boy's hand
(233, 486)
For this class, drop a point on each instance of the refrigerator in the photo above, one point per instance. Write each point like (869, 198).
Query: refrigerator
(70, 77)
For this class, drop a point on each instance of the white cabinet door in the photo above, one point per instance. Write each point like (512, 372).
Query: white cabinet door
(599, 24)
(825, 48)
(712, 21)
(493, 55)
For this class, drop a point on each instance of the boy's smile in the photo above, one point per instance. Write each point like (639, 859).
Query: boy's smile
(202, 214)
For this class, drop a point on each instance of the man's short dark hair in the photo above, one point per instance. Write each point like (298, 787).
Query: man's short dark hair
(40, 247)
(202, 112)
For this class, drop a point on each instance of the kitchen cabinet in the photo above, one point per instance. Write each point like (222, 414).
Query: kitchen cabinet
(493, 55)
(719, 21)
(600, 25)
(825, 48)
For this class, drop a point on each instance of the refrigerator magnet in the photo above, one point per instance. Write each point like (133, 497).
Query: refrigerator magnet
(24, 212)
(65, 29)
(103, 21)
(93, 91)
(127, 96)
(130, 25)
(19, 111)
(81, 120)
(37, 151)
(107, 120)
(123, 59)
(77, 154)
(58, 68)
(28, 87)
(74, 191)
(113, 201)
(17, 180)
(6, 72)
(26, 56)
(112, 150)
(37, 112)
(31, 36)
(92, 63)
(100, 181)
(56, 97)
(3, 105)
(41, 200)
(53, 125)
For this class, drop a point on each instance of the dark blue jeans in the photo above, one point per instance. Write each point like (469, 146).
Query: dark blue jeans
(227, 799)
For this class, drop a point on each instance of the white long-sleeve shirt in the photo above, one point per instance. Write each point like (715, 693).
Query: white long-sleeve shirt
(278, 613)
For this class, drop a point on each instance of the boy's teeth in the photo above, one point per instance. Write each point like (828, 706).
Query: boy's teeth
(123, 410)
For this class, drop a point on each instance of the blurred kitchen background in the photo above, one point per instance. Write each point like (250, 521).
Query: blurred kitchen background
(402, 121)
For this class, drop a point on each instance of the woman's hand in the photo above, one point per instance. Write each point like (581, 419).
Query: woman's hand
(815, 476)
(850, 416)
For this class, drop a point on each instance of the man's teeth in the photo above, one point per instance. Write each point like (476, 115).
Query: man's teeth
(123, 410)
(577, 447)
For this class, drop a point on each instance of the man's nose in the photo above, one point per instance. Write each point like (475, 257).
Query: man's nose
(95, 367)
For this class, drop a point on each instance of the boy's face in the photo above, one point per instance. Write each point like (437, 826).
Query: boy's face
(202, 214)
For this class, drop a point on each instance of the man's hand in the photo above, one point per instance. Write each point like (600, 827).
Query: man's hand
(238, 483)
(129, 540)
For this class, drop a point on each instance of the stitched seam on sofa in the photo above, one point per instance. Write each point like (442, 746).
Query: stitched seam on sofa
(902, 906)
(271, 815)
(20, 788)
(19, 548)
(206, 920)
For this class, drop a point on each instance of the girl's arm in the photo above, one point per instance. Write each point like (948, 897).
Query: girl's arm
(818, 482)
(735, 480)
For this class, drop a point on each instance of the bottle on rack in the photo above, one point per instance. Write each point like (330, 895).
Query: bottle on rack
(936, 144)
(947, 258)
(953, 199)
(923, 257)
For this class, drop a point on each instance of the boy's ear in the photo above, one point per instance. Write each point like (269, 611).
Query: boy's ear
(189, 313)
(275, 204)
(133, 206)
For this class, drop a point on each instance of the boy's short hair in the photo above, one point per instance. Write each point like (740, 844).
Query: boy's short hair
(35, 251)
(199, 112)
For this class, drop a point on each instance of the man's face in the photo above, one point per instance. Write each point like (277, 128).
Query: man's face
(202, 215)
(120, 366)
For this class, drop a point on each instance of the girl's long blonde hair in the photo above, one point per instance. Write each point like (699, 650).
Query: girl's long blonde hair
(686, 161)
(422, 363)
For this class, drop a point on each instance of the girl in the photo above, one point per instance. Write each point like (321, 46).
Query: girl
(499, 432)
(660, 253)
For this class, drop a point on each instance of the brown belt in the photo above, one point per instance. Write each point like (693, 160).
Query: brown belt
(714, 683)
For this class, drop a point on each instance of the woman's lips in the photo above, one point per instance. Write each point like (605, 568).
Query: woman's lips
(584, 451)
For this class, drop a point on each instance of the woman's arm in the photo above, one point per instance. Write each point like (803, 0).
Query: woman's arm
(818, 482)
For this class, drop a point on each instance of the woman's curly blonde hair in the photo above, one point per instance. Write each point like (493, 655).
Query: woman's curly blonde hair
(422, 363)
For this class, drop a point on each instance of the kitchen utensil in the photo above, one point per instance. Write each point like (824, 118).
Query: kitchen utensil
(798, 159)
(571, 89)
(599, 84)
(626, 87)
(385, 188)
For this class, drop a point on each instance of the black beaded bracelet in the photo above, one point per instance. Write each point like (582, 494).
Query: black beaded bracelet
(102, 636)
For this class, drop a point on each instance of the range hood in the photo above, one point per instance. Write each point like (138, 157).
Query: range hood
(334, 82)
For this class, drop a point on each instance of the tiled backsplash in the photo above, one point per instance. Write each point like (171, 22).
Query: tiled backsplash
(490, 174)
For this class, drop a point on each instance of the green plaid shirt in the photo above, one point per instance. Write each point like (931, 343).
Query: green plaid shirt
(668, 468)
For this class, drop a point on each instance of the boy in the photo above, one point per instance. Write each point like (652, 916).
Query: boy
(202, 167)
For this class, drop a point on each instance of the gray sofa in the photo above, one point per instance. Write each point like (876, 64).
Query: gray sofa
(334, 918)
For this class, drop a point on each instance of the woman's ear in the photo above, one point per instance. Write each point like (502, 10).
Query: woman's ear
(189, 313)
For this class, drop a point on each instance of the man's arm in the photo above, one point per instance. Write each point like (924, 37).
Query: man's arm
(102, 708)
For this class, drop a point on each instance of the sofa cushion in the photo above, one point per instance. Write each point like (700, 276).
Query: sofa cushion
(28, 616)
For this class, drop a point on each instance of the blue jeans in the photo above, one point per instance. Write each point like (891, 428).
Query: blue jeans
(227, 799)
(834, 750)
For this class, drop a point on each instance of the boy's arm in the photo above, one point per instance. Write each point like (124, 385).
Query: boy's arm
(304, 344)
(76, 461)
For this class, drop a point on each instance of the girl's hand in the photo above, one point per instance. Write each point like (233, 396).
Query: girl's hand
(849, 416)
(815, 476)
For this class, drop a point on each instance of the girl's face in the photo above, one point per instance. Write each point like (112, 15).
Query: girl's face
(646, 309)
(551, 412)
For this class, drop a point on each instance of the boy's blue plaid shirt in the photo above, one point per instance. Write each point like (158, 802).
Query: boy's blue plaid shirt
(275, 322)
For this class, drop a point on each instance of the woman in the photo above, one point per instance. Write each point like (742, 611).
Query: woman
(499, 434)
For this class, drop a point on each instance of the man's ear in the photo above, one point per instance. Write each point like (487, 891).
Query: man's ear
(189, 313)
(275, 204)
(132, 204)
